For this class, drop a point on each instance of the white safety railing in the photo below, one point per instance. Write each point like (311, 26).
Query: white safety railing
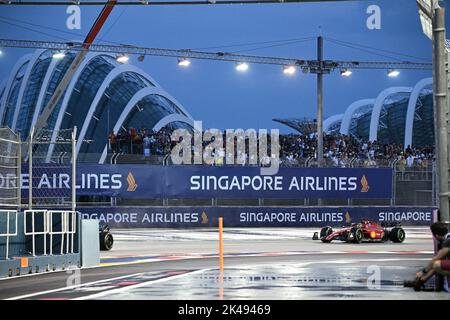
(33, 233)
(67, 231)
(71, 218)
(8, 233)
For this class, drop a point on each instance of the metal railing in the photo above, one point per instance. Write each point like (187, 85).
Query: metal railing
(33, 233)
(8, 232)
(67, 231)
(354, 162)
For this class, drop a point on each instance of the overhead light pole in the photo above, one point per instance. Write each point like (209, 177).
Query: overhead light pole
(320, 102)
(432, 18)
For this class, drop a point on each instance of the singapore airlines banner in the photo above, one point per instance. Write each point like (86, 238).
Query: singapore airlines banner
(198, 217)
(146, 181)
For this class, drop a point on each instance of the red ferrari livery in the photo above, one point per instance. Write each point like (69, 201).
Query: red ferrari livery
(366, 230)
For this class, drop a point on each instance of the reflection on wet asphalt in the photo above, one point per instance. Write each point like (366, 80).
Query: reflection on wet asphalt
(309, 280)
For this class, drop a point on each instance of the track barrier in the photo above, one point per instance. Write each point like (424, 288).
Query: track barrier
(7, 234)
(48, 241)
(33, 233)
(67, 225)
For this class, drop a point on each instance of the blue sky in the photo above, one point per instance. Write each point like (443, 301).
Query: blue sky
(213, 91)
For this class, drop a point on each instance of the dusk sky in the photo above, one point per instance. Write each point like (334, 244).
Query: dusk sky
(213, 91)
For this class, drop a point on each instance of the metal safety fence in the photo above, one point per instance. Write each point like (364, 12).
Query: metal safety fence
(48, 224)
(8, 218)
(49, 152)
(10, 168)
(44, 232)
(26, 171)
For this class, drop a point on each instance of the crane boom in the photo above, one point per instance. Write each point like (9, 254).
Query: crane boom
(62, 86)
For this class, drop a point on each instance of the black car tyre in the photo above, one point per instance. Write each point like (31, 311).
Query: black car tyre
(386, 236)
(325, 232)
(358, 235)
(106, 241)
(397, 235)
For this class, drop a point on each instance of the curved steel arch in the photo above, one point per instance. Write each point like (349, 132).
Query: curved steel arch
(2, 86)
(105, 83)
(350, 111)
(111, 76)
(332, 120)
(72, 84)
(160, 124)
(32, 62)
(44, 85)
(412, 103)
(138, 96)
(379, 103)
(67, 95)
(176, 117)
(23, 60)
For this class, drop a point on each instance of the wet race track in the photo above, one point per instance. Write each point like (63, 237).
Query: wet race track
(259, 264)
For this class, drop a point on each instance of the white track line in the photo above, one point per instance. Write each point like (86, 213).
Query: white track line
(143, 284)
(72, 287)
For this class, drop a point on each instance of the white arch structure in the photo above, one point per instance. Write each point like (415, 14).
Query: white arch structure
(379, 103)
(412, 103)
(19, 64)
(111, 76)
(68, 94)
(31, 64)
(44, 85)
(2, 86)
(28, 63)
(138, 96)
(160, 124)
(348, 114)
(91, 56)
(176, 117)
(331, 121)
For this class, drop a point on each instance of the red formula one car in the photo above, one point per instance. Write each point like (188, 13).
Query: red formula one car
(366, 230)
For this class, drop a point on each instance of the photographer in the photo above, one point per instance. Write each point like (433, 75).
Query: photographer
(440, 264)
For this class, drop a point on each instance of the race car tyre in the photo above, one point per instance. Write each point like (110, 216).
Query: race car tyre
(358, 235)
(386, 236)
(106, 241)
(325, 232)
(397, 235)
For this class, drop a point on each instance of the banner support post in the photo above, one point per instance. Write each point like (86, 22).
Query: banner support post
(221, 244)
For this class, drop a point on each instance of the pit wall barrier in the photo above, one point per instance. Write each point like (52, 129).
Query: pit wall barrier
(297, 217)
(34, 241)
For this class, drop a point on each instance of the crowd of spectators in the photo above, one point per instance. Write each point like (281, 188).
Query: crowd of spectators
(341, 151)
(295, 149)
(143, 141)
